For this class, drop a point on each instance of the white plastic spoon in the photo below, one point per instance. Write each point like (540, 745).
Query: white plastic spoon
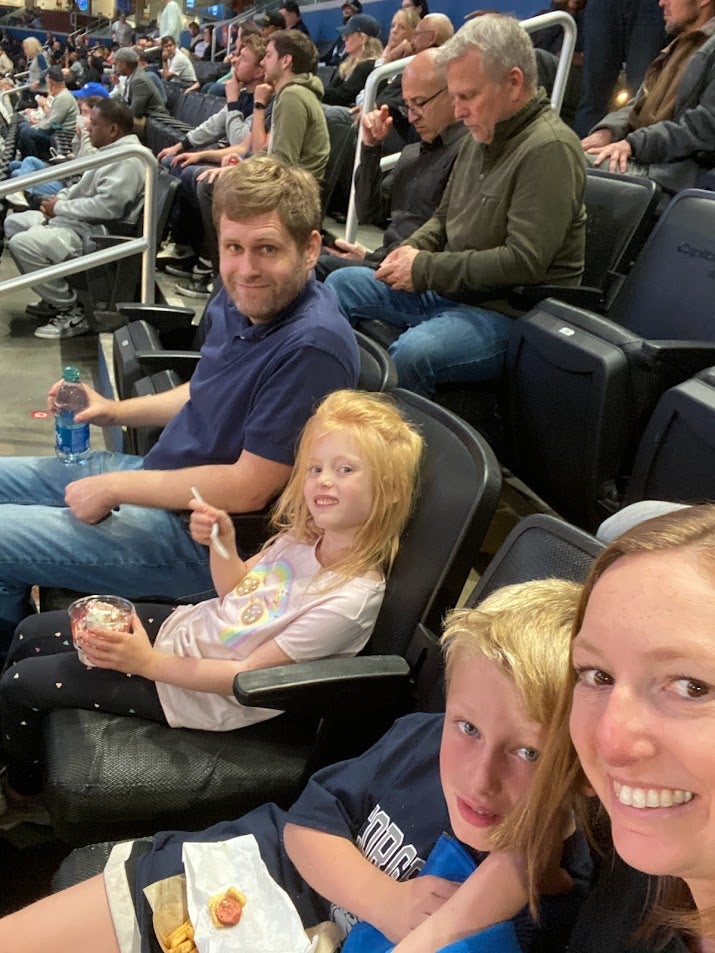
(216, 542)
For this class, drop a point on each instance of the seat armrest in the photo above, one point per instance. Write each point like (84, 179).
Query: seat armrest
(528, 296)
(327, 685)
(183, 362)
(162, 317)
(689, 357)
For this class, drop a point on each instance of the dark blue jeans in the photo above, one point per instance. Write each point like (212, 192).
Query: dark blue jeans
(616, 32)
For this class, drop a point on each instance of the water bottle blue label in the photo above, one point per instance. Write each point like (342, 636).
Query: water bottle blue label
(72, 438)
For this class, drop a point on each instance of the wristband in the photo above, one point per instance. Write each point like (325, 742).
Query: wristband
(259, 105)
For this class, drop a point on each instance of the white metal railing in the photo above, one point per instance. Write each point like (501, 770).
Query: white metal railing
(557, 18)
(146, 244)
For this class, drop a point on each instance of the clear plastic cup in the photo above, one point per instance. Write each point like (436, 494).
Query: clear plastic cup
(106, 612)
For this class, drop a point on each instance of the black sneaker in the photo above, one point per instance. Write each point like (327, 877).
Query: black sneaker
(181, 269)
(196, 287)
(42, 309)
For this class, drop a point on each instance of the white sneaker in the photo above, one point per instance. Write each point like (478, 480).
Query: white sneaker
(18, 200)
(67, 324)
(174, 252)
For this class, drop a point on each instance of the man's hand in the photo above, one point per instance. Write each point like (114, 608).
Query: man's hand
(597, 140)
(616, 155)
(210, 175)
(396, 269)
(188, 158)
(232, 87)
(413, 902)
(99, 411)
(262, 93)
(170, 151)
(376, 125)
(47, 207)
(91, 499)
(343, 249)
(129, 652)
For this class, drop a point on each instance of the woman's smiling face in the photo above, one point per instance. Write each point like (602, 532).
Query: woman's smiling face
(643, 715)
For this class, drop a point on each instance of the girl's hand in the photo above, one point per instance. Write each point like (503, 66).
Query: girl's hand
(128, 652)
(203, 519)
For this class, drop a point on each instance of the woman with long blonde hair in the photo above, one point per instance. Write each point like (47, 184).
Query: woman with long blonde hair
(362, 45)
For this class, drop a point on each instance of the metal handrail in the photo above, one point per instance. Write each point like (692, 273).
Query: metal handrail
(146, 244)
(557, 18)
(15, 89)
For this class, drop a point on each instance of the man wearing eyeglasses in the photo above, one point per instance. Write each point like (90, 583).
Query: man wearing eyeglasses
(512, 214)
(421, 173)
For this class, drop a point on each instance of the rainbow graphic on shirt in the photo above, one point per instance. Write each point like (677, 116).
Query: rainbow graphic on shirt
(260, 598)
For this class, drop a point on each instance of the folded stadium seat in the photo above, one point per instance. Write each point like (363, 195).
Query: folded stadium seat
(190, 111)
(539, 547)
(108, 777)
(208, 71)
(620, 214)
(581, 387)
(343, 140)
(675, 459)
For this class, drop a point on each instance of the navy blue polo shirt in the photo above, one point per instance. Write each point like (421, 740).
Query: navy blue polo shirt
(256, 385)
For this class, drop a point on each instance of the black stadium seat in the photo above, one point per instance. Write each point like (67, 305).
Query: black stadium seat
(580, 387)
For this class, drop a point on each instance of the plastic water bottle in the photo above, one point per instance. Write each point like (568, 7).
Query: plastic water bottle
(71, 438)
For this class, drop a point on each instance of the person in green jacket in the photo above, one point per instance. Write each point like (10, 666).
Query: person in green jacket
(512, 214)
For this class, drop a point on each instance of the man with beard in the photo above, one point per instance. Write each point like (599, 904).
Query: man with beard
(276, 345)
(668, 130)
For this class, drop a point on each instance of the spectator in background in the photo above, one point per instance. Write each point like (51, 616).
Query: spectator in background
(271, 22)
(432, 31)
(399, 42)
(362, 47)
(151, 75)
(219, 87)
(105, 197)
(139, 93)
(420, 176)
(88, 97)
(512, 214)
(670, 124)
(616, 32)
(176, 65)
(196, 36)
(419, 5)
(37, 65)
(291, 14)
(61, 114)
(171, 21)
(202, 49)
(336, 54)
(122, 32)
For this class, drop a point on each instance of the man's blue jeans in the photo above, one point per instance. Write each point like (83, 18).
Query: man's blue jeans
(616, 32)
(443, 341)
(137, 551)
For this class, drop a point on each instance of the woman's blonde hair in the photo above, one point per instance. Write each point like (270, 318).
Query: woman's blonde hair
(409, 17)
(525, 629)
(392, 450)
(31, 45)
(372, 48)
(560, 782)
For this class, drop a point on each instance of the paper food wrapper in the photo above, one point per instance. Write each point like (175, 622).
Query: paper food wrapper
(269, 922)
(167, 899)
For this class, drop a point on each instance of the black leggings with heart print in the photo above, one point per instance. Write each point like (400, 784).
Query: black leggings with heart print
(43, 672)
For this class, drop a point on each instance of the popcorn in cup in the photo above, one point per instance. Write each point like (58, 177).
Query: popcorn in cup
(105, 612)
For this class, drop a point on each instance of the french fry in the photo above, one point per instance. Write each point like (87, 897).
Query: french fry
(180, 935)
(186, 947)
